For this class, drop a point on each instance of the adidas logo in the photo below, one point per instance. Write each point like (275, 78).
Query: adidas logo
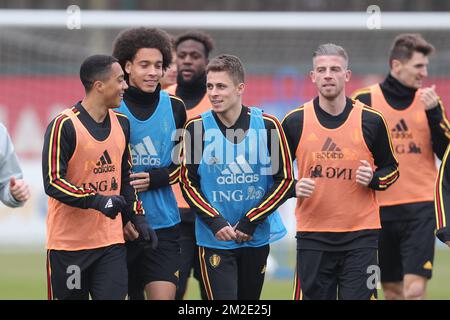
(238, 171)
(401, 131)
(109, 204)
(239, 166)
(104, 164)
(329, 151)
(401, 126)
(329, 145)
(104, 159)
(144, 153)
(428, 265)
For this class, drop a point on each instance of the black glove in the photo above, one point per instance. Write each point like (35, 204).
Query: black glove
(145, 231)
(110, 206)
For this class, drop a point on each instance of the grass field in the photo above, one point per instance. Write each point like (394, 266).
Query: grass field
(23, 276)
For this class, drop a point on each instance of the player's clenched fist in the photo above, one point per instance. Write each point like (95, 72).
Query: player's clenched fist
(110, 206)
(364, 173)
(429, 97)
(19, 189)
(305, 187)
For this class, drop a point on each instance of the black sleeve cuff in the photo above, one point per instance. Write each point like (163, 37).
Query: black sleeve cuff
(246, 226)
(434, 116)
(374, 183)
(158, 178)
(127, 214)
(215, 224)
(292, 193)
(93, 202)
(125, 218)
(434, 112)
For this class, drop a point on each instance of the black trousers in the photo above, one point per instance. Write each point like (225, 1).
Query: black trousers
(189, 260)
(100, 273)
(236, 274)
(331, 275)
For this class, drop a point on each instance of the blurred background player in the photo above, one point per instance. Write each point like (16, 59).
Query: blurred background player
(144, 55)
(234, 196)
(86, 169)
(14, 191)
(442, 200)
(419, 129)
(169, 78)
(192, 49)
(338, 143)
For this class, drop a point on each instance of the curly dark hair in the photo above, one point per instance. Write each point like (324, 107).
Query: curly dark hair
(128, 42)
(200, 36)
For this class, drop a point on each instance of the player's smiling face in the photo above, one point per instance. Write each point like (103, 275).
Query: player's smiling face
(223, 93)
(115, 86)
(145, 71)
(330, 74)
(412, 72)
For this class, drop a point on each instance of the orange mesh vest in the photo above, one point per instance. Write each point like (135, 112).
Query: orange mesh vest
(331, 157)
(203, 106)
(96, 165)
(411, 138)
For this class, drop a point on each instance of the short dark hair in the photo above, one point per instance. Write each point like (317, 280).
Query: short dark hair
(406, 44)
(95, 68)
(230, 64)
(331, 49)
(199, 36)
(129, 41)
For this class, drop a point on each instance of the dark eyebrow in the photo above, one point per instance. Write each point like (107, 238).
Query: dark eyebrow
(148, 61)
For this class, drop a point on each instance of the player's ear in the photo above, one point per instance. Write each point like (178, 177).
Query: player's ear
(312, 76)
(240, 88)
(395, 65)
(348, 75)
(128, 66)
(98, 86)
